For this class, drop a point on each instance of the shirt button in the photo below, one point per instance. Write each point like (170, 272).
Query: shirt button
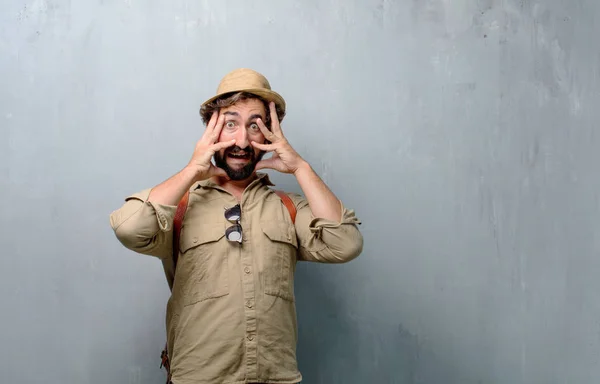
(249, 303)
(195, 240)
(250, 337)
(247, 270)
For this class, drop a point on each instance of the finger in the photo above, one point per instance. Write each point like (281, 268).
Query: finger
(275, 127)
(222, 145)
(211, 124)
(213, 120)
(265, 131)
(267, 163)
(264, 147)
(216, 171)
(210, 127)
(216, 131)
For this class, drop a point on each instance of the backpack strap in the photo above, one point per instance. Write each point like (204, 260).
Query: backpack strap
(179, 214)
(289, 204)
(177, 222)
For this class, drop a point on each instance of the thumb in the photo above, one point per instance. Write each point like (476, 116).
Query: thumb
(268, 163)
(216, 171)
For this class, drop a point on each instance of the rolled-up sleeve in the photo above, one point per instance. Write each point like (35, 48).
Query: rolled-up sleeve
(327, 241)
(143, 226)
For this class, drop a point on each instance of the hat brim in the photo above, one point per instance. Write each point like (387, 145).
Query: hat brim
(264, 93)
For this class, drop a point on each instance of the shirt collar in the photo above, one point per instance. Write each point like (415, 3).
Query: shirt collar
(260, 177)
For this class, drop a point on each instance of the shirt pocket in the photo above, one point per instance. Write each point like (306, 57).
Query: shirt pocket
(205, 262)
(281, 246)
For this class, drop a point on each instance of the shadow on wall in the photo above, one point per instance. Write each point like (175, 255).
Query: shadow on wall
(336, 345)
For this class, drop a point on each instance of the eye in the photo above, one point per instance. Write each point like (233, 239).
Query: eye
(254, 127)
(230, 124)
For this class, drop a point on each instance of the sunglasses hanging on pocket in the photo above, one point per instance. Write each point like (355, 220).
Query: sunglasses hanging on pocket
(234, 232)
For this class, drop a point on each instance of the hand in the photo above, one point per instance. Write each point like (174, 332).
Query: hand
(206, 147)
(285, 159)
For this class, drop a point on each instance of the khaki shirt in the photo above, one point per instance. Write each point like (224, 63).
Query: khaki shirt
(231, 317)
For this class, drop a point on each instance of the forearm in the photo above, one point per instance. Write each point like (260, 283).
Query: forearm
(172, 190)
(323, 203)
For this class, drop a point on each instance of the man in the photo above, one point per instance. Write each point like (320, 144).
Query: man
(231, 317)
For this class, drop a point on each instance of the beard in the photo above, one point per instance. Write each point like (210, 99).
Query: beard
(239, 173)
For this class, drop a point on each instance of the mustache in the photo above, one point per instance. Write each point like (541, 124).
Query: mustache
(235, 150)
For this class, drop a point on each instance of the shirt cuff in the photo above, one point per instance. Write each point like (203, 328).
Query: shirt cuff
(318, 224)
(165, 214)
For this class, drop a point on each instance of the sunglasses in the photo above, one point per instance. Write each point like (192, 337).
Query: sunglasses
(234, 215)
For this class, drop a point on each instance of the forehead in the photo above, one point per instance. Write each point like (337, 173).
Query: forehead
(245, 108)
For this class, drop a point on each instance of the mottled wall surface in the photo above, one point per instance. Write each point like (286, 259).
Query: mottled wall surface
(464, 133)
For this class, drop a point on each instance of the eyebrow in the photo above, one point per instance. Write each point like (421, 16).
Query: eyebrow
(252, 117)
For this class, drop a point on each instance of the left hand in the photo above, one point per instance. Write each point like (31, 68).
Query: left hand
(285, 159)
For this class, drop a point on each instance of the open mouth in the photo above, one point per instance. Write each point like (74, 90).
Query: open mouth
(239, 155)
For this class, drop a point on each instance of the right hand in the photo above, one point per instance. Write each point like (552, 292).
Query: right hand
(206, 147)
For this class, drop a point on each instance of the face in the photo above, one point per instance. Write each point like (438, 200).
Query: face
(240, 124)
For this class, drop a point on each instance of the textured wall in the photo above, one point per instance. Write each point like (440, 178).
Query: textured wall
(464, 133)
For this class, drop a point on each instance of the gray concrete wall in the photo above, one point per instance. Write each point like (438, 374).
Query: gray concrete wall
(464, 133)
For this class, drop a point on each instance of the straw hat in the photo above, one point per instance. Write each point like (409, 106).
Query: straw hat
(248, 80)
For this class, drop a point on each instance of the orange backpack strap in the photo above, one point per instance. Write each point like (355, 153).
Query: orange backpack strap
(179, 214)
(289, 204)
(177, 221)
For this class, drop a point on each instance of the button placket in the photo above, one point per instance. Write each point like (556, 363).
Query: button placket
(248, 288)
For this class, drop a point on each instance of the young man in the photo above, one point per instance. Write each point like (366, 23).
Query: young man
(231, 317)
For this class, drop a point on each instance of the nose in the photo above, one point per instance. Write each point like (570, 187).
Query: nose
(241, 138)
